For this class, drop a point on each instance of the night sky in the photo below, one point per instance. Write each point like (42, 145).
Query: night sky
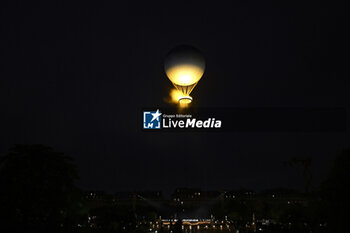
(76, 77)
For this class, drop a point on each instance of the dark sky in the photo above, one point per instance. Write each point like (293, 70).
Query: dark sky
(75, 77)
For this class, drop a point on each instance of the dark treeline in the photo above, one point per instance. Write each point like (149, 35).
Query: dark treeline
(38, 193)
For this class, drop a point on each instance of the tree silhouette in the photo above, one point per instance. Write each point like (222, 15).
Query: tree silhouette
(305, 164)
(336, 192)
(38, 192)
(178, 226)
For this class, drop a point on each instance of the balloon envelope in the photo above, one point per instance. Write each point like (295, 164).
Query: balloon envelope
(184, 65)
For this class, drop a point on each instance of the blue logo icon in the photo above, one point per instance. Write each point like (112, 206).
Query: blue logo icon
(151, 120)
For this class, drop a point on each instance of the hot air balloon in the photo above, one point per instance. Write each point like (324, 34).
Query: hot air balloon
(184, 65)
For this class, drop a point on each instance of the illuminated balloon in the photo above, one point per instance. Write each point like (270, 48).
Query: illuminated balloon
(184, 66)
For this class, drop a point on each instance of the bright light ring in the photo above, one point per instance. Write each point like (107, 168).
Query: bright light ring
(185, 99)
